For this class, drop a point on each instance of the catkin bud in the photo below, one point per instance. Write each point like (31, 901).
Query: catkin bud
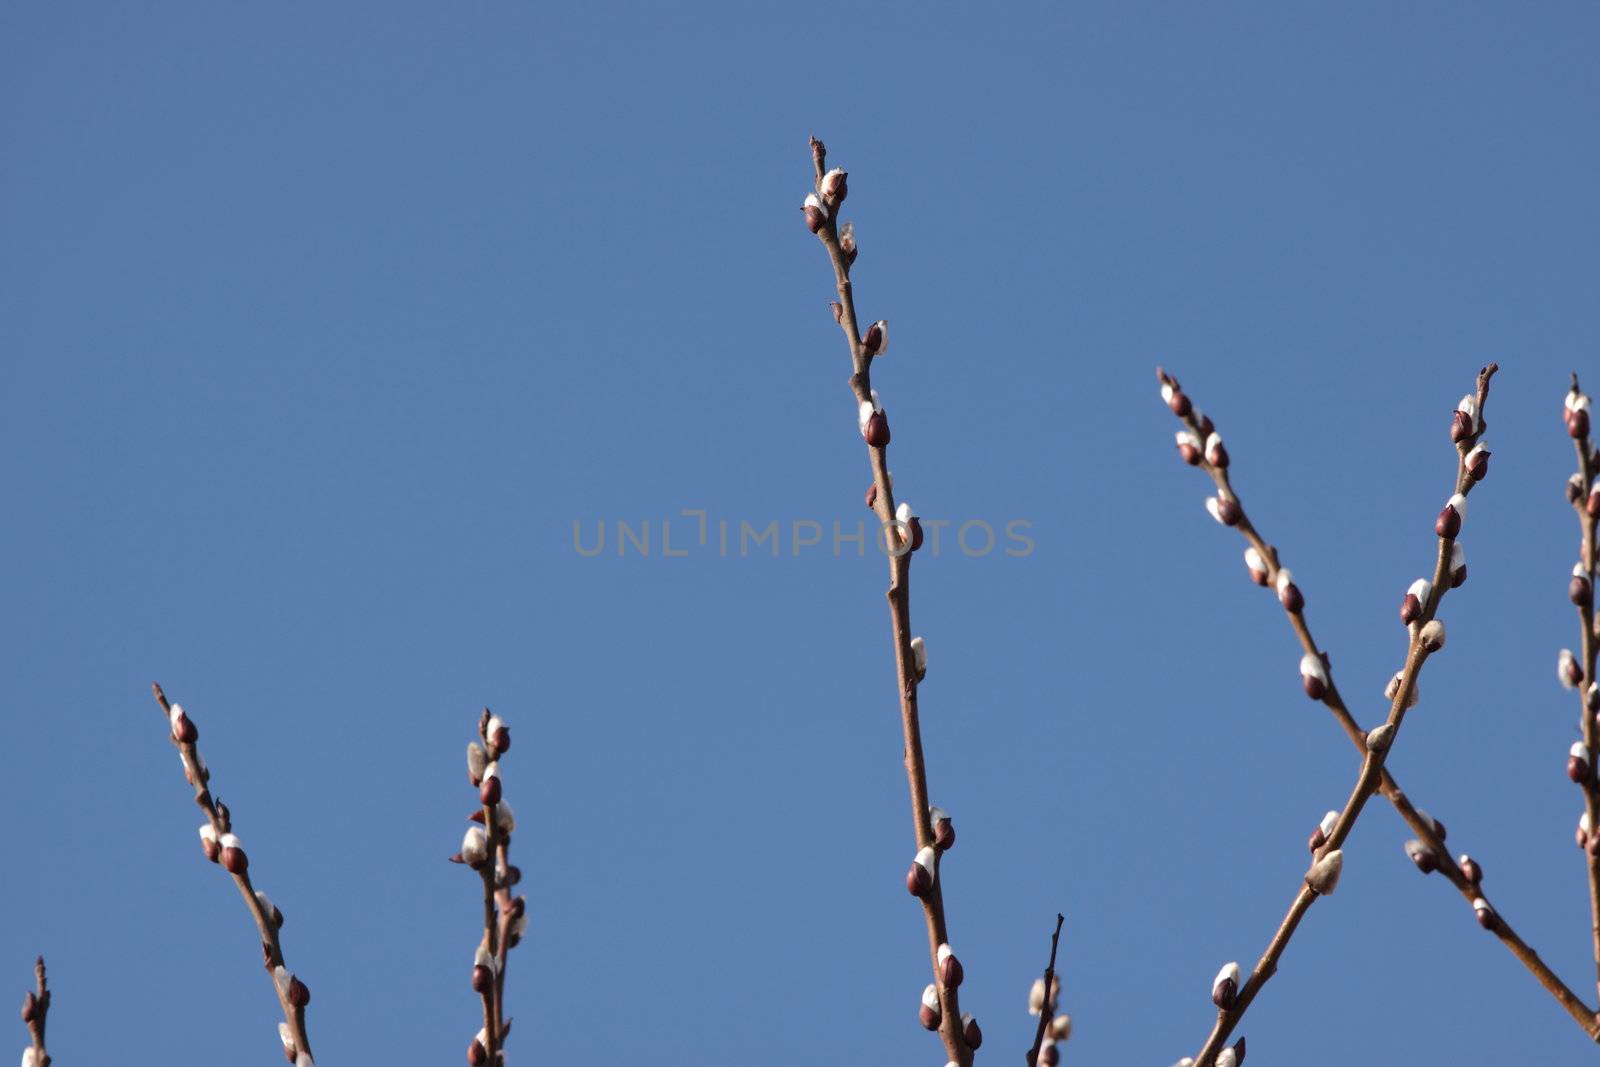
(1216, 454)
(232, 855)
(1415, 601)
(1175, 399)
(1323, 877)
(1469, 869)
(816, 214)
(929, 1014)
(475, 847)
(875, 342)
(1477, 463)
(970, 1031)
(1224, 509)
(1579, 591)
(209, 843)
(1288, 593)
(834, 185)
(1451, 516)
(924, 869)
(498, 735)
(1483, 912)
(477, 760)
(1313, 676)
(269, 909)
(1568, 669)
(1431, 638)
(1256, 565)
(1225, 986)
(944, 831)
(1423, 856)
(184, 730)
(1578, 762)
(1188, 446)
(950, 973)
(1458, 565)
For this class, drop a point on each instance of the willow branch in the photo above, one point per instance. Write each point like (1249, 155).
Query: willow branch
(486, 849)
(223, 847)
(902, 534)
(1429, 850)
(1046, 984)
(1581, 761)
(35, 1010)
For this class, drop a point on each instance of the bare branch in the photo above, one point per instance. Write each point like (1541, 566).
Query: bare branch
(1585, 500)
(486, 849)
(1428, 851)
(903, 535)
(223, 847)
(1046, 985)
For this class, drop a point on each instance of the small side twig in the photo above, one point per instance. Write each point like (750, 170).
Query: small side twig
(223, 847)
(1198, 447)
(1047, 989)
(486, 849)
(35, 1010)
(1583, 492)
(902, 536)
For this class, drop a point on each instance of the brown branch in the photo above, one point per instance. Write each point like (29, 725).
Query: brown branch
(223, 847)
(1429, 851)
(1581, 763)
(1199, 446)
(1048, 983)
(902, 535)
(35, 1010)
(486, 849)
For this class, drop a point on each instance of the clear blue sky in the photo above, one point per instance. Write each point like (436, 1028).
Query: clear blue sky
(321, 327)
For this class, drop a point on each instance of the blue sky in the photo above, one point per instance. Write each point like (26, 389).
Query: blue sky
(322, 326)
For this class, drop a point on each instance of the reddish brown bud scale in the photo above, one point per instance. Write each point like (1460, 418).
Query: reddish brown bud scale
(918, 880)
(1470, 870)
(1484, 914)
(877, 430)
(1574, 488)
(944, 835)
(838, 310)
(1448, 524)
(872, 343)
(477, 1055)
(30, 1007)
(299, 995)
(915, 526)
(500, 739)
(1410, 609)
(971, 1031)
(1225, 993)
(1578, 424)
(1179, 403)
(815, 218)
(1189, 453)
(1292, 599)
(928, 1017)
(482, 979)
(1228, 511)
(1204, 423)
(1315, 687)
(209, 846)
(1424, 857)
(1316, 840)
(1478, 463)
(234, 859)
(1579, 590)
(950, 971)
(1049, 1056)
(489, 791)
(872, 496)
(1460, 426)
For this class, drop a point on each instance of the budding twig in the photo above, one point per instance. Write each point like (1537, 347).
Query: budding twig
(223, 847)
(1450, 571)
(1049, 981)
(486, 849)
(903, 534)
(1586, 505)
(35, 1009)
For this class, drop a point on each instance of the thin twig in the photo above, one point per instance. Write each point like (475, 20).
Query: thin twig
(35, 1010)
(486, 849)
(1430, 832)
(1588, 693)
(1049, 980)
(901, 536)
(223, 847)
